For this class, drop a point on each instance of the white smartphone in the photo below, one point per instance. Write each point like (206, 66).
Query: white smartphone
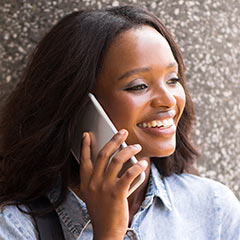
(101, 129)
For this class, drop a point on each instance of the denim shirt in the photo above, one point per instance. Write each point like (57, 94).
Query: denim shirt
(179, 207)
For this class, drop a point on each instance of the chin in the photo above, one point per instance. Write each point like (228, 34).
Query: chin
(166, 155)
(163, 152)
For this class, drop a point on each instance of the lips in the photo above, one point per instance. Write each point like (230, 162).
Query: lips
(162, 119)
(161, 124)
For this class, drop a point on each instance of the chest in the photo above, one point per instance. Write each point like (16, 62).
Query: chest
(157, 222)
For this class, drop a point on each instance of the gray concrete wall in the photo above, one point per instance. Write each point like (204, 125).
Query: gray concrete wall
(208, 33)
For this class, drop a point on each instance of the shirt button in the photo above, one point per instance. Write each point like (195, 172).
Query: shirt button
(130, 235)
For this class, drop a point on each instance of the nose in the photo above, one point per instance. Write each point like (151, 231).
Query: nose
(163, 98)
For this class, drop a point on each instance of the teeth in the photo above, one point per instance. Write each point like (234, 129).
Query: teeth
(154, 123)
(165, 123)
(170, 121)
(157, 123)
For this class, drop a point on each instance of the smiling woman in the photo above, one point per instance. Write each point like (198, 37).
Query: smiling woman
(130, 61)
(146, 89)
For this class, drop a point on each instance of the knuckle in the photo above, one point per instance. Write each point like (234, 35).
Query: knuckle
(117, 138)
(116, 160)
(129, 173)
(102, 154)
(92, 187)
(82, 158)
(105, 187)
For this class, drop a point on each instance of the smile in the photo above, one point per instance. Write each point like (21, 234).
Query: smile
(166, 123)
(159, 128)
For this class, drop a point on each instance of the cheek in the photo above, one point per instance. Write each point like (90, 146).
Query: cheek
(122, 110)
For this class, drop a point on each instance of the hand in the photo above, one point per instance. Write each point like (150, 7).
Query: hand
(104, 193)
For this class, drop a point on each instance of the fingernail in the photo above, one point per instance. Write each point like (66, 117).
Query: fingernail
(138, 146)
(84, 135)
(122, 131)
(143, 163)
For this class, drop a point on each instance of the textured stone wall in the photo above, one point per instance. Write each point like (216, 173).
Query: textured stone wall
(208, 33)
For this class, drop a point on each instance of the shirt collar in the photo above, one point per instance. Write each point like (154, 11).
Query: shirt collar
(157, 187)
(76, 225)
(73, 212)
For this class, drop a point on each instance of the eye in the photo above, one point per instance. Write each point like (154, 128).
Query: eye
(137, 87)
(173, 81)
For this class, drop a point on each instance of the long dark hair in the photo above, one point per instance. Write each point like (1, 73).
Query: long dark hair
(40, 116)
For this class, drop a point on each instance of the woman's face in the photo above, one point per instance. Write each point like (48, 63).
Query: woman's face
(138, 88)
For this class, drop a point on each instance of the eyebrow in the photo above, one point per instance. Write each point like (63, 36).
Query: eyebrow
(134, 71)
(144, 69)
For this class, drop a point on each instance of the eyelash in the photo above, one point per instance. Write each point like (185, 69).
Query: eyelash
(140, 87)
(137, 87)
(173, 81)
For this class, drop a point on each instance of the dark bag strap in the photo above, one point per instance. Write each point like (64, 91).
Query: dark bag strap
(48, 225)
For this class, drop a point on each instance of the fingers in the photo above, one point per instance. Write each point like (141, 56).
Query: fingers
(95, 177)
(127, 178)
(107, 151)
(119, 159)
(86, 167)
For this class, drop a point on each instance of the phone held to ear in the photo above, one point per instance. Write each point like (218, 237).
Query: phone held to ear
(96, 122)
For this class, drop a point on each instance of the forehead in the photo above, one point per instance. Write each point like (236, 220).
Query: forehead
(137, 48)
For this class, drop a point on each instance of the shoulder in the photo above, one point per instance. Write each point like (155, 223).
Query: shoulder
(14, 224)
(200, 186)
(210, 197)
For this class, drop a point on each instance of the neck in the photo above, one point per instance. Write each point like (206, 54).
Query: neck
(138, 195)
(136, 198)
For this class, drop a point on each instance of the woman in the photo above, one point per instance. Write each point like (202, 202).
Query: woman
(129, 60)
